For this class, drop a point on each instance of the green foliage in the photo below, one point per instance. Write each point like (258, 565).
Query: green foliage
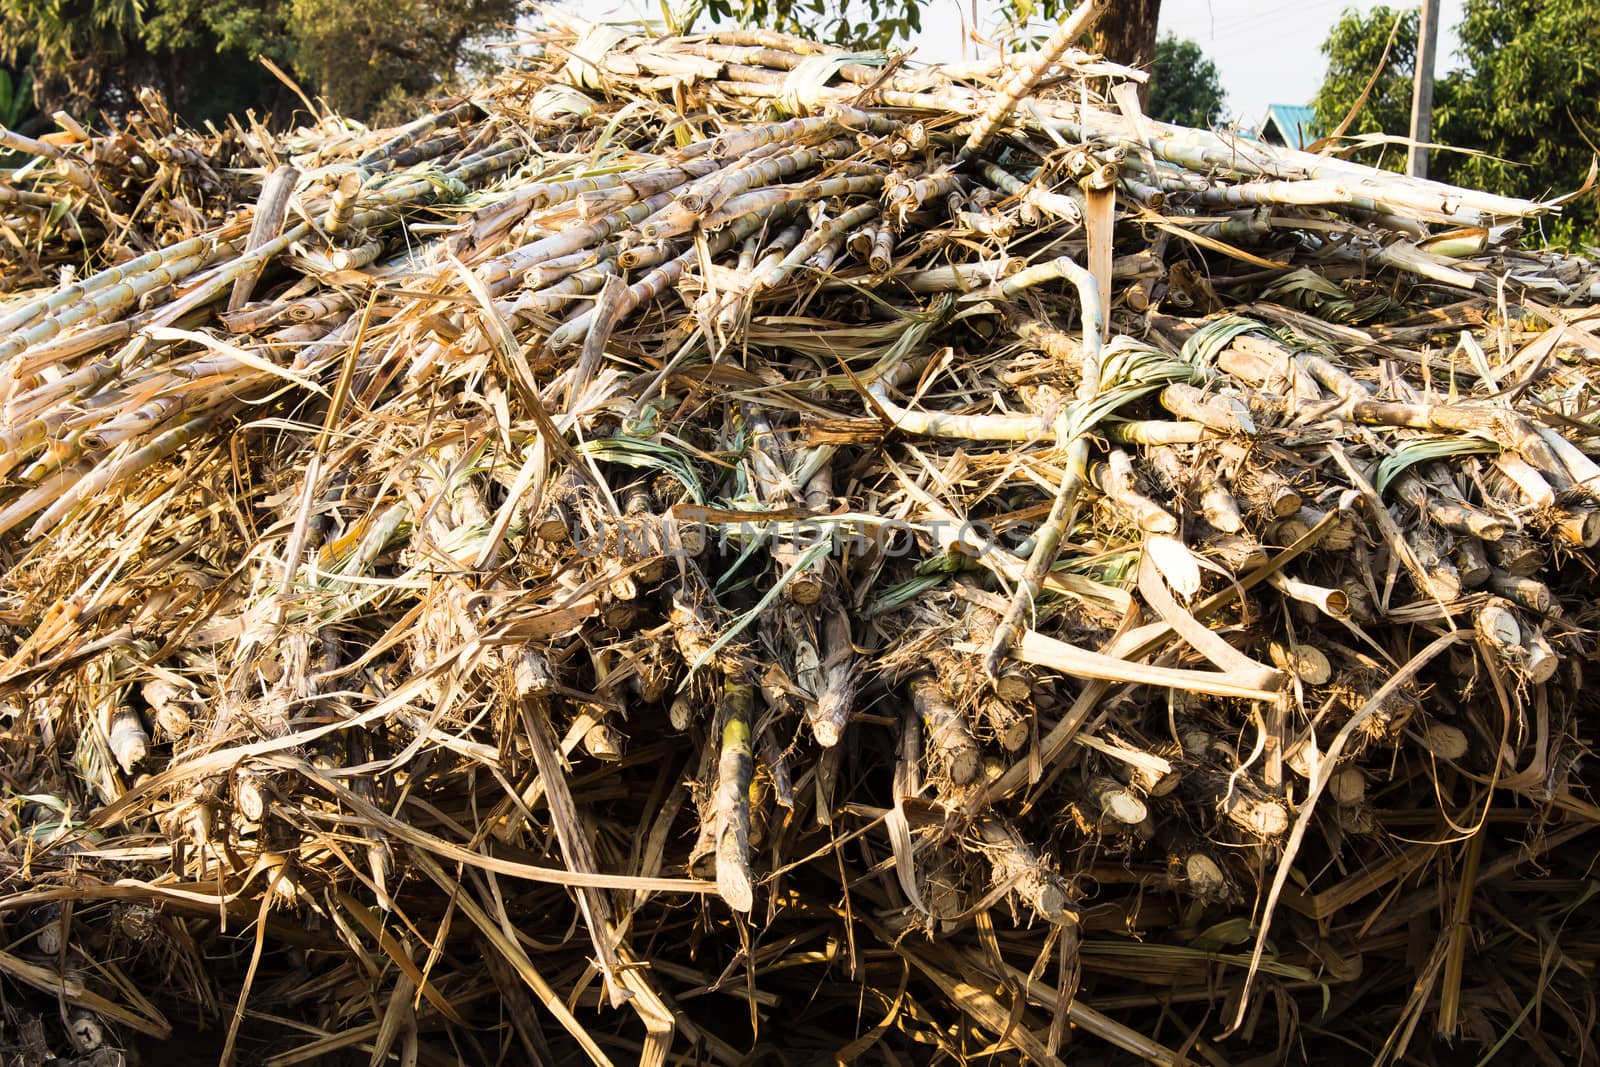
(838, 21)
(16, 98)
(1184, 86)
(359, 55)
(1529, 96)
(1354, 48)
(1526, 98)
(371, 55)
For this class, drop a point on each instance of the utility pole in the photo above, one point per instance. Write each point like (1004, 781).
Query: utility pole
(1422, 91)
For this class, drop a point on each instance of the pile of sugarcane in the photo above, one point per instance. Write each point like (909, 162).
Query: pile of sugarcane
(718, 549)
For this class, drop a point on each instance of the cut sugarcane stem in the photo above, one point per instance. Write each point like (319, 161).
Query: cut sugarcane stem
(1202, 877)
(807, 587)
(839, 673)
(129, 741)
(1444, 582)
(1445, 742)
(1305, 662)
(735, 769)
(949, 739)
(1498, 626)
(1334, 603)
(1529, 592)
(1347, 786)
(1010, 726)
(1014, 684)
(1261, 816)
(1117, 804)
(1472, 562)
(603, 741)
(1542, 660)
(1115, 478)
(1238, 552)
(1017, 864)
(1517, 554)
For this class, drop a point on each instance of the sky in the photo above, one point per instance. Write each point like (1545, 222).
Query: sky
(1266, 51)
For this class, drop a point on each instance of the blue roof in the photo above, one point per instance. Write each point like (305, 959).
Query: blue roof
(1296, 124)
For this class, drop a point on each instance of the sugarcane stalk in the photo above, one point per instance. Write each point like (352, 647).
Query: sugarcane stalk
(950, 740)
(1455, 515)
(1010, 726)
(1018, 865)
(1116, 804)
(1334, 603)
(1022, 83)
(1047, 541)
(1306, 662)
(735, 769)
(1115, 478)
(839, 679)
(272, 208)
(1529, 592)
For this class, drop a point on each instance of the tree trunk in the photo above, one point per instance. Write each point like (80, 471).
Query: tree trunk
(1126, 34)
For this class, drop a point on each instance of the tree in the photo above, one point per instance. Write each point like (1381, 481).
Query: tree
(1355, 49)
(1528, 95)
(882, 23)
(1525, 100)
(1184, 86)
(1126, 34)
(360, 55)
